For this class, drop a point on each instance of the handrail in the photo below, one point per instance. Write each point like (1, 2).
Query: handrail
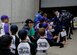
(16, 22)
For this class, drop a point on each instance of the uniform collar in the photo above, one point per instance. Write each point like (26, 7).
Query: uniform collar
(42, 37)
(24, 41)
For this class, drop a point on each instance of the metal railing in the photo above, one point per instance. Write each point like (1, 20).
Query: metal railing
(17, 22)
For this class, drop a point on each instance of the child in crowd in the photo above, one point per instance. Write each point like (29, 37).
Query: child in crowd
(31, 31)
(4, 26)
(29, 27)
(26, 27)
(5, 42)
(15, 40)
(45, 26)
(48, 35)
(51, 27)
(25, 48)
(39, 25)
(42, 43)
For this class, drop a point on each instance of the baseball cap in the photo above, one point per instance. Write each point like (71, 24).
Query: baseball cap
(4, 17)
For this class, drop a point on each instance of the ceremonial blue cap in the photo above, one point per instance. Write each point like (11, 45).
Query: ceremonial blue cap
(48, 20)
(42, 19)
(45, 25)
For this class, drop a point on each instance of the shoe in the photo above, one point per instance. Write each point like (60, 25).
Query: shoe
(69, 38)
(71, 33)
(62, 45)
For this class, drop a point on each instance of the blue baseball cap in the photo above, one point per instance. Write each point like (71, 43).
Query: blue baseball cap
(4, 17)
(14, 28)
(22, 33)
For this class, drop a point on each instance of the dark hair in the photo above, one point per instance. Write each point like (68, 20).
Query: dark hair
(28, 21)
(40, 11)
(40, 25)
(13, 29)
(22, 34)
(41, 31)
(55, 10)
(5, 41)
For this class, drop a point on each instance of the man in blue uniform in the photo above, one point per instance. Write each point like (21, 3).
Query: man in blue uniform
(57, 22)
(66, 20)
(38, 16)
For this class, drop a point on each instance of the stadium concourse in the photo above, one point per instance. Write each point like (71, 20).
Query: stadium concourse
(69, 49)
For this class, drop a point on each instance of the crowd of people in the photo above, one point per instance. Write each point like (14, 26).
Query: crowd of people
(37, 36)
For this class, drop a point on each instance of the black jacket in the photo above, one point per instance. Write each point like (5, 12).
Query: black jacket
(17, 41)
(5, 51)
